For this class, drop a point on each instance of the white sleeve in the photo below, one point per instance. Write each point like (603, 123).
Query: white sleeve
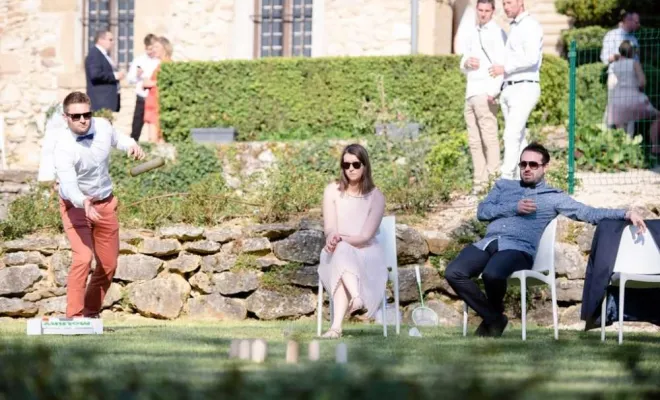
(531, 50)
(467, 53)
(66, 174)
(609, 47)
(47, 159)
(120, 141)
(131, 76)
(499, 56)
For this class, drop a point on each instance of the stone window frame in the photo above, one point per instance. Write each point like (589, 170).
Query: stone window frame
(294, 18)
(119, 18)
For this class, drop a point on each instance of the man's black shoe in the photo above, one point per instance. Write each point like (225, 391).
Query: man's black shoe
(497, 327)
(482, 330)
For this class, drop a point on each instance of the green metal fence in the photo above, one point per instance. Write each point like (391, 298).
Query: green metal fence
(613, 119)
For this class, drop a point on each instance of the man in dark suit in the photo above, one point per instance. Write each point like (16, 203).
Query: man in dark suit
(102, 74)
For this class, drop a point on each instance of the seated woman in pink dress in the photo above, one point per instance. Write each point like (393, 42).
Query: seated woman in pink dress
(352, 266)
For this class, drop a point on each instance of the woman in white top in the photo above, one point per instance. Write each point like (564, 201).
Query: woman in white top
(626, 100)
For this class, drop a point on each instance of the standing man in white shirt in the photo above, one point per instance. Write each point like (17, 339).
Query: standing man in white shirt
(613, 39)
(484, 48)
(87, 205)
(521, 89)
(141, 68)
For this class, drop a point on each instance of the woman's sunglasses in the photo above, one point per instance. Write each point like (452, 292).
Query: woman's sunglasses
(532, 165)
(355, 164)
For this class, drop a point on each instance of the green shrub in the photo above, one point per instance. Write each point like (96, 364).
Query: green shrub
(35, 211)
(193, 162)
(557, 175)
(591, 99)
(294, 98)
(587, 12)
(607, 12)
(588, 41)
(289, 190)
(552, 106)
(606, 150)
(105, 113)
(415, 175)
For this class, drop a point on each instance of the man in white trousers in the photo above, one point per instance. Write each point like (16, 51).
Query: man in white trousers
(521, 89)
(484, 48)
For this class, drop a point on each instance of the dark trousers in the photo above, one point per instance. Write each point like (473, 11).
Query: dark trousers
(495, 267)
(138, 118)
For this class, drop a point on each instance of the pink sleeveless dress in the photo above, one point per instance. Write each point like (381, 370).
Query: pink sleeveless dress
(357, 217)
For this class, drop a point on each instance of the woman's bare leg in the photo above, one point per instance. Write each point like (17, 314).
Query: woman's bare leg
(352, 286)
(339, 307)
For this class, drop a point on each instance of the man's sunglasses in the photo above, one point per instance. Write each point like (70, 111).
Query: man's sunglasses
(77, 117)
(532, 164)
(355, 164)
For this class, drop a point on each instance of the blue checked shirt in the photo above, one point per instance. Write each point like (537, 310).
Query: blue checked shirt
(523, 232)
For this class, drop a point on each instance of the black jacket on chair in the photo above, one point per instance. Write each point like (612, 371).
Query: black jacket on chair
(101, 82)
(640, 304)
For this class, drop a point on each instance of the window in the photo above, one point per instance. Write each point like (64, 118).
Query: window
(117, 17)
(283, 28)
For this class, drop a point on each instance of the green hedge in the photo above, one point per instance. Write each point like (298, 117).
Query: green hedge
(607, 12)
(298, 98)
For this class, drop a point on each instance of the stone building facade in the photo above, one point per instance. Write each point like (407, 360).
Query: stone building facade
(43, 43)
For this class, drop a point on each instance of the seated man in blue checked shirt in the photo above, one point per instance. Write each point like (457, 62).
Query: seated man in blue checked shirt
(518, 212)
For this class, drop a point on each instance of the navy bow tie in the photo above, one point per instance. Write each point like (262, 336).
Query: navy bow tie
(85, 137)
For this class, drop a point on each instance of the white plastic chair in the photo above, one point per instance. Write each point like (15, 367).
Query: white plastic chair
(543, 262)
(386, 236)
(637, 265)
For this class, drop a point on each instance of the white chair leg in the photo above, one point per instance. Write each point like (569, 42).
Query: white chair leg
(555, 310)
(603, 311)
(384, 307)
(523, 305)
(319, 310)
(396, 302)
(622, 292)
(465, 315)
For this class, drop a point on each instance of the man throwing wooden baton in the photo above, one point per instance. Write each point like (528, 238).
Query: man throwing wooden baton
(87, 205)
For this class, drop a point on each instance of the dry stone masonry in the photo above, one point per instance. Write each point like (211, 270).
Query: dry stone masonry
(260, 271)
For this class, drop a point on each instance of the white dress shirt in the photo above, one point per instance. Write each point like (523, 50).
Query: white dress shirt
(54, 125)
(492, 39)
(613, 40)
(148, 65)
(524, 49)
(82, 167)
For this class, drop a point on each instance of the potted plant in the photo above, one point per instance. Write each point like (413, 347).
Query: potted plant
(391, 119)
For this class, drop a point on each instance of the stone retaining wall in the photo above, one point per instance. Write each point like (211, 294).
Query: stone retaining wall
(253, 271)
(13, 183)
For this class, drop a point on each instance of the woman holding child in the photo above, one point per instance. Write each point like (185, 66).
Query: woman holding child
(352, 266)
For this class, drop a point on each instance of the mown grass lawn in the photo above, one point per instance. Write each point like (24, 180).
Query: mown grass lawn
(161, 359)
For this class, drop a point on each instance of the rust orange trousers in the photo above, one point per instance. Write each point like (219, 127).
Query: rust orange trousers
(90, 240)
